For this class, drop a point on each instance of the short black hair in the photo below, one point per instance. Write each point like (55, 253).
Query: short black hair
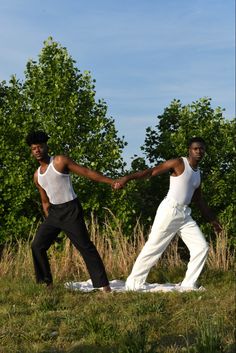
(35, 137)
(196, 139)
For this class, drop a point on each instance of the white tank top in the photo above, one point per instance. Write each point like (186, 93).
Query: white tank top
(57, 185)
(182, 187)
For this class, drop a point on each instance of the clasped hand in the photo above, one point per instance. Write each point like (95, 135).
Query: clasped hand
(119, 183)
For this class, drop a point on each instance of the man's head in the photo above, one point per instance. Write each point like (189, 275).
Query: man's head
(36, 137)
(37, 140)
(196, 148)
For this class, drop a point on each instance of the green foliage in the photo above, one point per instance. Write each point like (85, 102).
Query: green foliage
(56, 97)
(59, 99)
(209, 339)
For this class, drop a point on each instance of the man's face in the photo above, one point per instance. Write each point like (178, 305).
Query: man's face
(39, 151)
(197, 151)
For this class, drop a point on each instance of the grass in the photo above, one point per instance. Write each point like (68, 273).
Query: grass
(36, 319)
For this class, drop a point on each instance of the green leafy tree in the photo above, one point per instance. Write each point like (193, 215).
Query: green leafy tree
(56, 97)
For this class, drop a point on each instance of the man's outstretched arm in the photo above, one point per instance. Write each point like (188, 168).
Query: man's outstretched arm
(170, 165)
(74, 167)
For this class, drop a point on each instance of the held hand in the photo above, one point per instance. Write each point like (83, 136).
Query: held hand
(217, 226)
(116, 185)
(119, 183)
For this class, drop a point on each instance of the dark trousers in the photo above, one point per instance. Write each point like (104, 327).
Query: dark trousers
(67, 217)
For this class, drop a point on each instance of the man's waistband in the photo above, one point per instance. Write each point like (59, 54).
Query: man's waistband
(174, 203)
(62, 205)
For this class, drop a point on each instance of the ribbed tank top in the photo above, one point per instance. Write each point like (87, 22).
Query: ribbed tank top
(57, 185)
(182, 187)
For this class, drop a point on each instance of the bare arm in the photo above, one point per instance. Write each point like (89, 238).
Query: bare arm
(173, 165)
(43, 195)
(206, 210)
(66, 164)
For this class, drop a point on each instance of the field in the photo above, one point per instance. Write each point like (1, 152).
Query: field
(36, 319)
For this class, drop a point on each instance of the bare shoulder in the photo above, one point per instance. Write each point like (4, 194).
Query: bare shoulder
(179, 161)
(60, 161)
(178, 166)
(174, 163)
(60, 158)
(174, 166)
(167, 166)
(63, 163)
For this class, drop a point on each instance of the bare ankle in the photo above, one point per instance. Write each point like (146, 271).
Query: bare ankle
(106, 289)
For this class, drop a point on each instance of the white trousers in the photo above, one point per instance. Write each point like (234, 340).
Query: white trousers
(171, 218)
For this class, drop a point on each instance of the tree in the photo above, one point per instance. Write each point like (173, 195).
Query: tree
(59, 99)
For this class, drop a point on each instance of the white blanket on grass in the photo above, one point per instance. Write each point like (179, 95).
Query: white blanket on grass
(119, 286)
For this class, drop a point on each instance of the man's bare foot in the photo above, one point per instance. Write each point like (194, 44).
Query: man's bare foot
(106, 289)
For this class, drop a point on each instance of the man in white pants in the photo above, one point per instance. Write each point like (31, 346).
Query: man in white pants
(174, 216)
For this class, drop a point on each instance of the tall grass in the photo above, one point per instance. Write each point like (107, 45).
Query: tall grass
(220, 256)
(34, 319)
(117, 251)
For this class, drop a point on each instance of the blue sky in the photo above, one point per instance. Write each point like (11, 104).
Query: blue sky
(142, 53)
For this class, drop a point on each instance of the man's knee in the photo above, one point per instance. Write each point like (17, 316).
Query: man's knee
(205, 248)
(34, 246)
(37, 245)
(88, 247)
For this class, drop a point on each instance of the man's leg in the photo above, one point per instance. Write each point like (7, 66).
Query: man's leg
(76, 230)
(198, 247)
(164, 228)
(80, 239)
(43, 239)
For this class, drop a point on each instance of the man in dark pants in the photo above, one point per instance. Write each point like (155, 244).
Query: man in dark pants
(63, 211)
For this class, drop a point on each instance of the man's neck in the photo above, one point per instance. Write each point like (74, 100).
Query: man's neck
(44, 161)
(193, 163)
